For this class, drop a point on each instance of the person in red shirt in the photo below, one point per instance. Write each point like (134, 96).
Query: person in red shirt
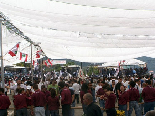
(53, 103)
(84, 90)
(38, 101)
(47, 94)
(133, 99)
(110, 98)
(66, 99)
(148, 95)
(20, 102)
(101, 93)
(123, 100)
(4, 103)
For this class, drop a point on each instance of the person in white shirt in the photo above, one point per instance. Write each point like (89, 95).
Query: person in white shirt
(17, 86)
(98, 86)
(76, 88)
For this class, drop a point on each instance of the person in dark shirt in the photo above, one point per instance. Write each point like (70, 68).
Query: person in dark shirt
(53, 103)
(117, 87)
(101, 93)
(133, 99)
(123, 101)
(47, 94)
(38, 101)
(4, 103)
(148, 95)
(66, 99)
(20, 102)
(91, 109)
(110, 98)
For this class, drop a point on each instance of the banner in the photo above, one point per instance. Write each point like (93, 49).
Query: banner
(58, 62)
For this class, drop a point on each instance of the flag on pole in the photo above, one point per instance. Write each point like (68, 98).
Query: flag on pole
(23, 56)
(48, 62)
(38, 53)
(14, 50)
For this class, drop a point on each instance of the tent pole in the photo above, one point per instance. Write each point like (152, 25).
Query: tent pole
(2, 66)
(31, 65)
(81, 65)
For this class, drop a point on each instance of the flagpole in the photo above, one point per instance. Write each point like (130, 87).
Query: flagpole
(31, 65)
(2, 67)
(42, 68)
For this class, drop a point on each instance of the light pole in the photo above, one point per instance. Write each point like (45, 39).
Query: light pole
(1, 52)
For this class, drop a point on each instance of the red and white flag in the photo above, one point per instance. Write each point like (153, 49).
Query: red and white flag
(23, 56)
(14, 50)
(35, 62)
(48, 62)
(38, 53)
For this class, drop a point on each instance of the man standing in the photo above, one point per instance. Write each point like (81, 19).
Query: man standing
(4, 103)
(92, 109)
(47, 94)
(148, 95)
(66, 99)
(117, 87)
(38, 101)
(76, 88)
(18, 85)
(133, 99)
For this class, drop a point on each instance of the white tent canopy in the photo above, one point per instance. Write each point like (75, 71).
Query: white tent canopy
(86, 31)
(126, 62)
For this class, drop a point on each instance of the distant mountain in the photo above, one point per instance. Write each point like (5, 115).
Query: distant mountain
(150, 62)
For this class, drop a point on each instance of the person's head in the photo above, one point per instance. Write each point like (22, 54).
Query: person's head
(53, 82)
(18, 82)
(66, 85)
(20, 90)
(53, 93)
(84, 87)
(87, 99)
(61, 84)
(98, 82)
(144, 85)
(120, 80)
(1, 90)
(148, 82)
(122, 88)
(102, 83)
(43, 88)
(108, 90)
(138, 81)
(75, 81)
(35, 87)
(113, 82)
(132, 84)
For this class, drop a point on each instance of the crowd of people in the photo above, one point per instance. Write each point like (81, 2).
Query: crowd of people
(43, 97)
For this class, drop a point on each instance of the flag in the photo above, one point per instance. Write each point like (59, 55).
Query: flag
(35, 62)
(14, 50)
(48, 62)
(23, 56)
(38, 53)
(81, 74)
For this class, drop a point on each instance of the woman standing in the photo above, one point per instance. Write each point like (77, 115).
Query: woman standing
(123, 101)
(53, 103)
